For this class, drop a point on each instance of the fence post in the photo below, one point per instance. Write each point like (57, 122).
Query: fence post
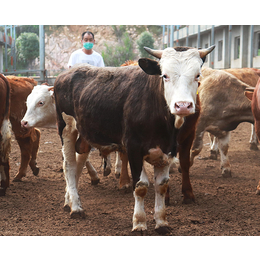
(42, 53)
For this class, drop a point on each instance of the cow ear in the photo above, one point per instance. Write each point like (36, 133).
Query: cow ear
(149, 66)
(249, 95)
(51, 91)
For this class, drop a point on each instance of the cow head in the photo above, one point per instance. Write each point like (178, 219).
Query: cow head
(180, 70)
(41, 110)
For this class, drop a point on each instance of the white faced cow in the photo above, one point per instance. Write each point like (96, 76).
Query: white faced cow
(132, 110)
(41, 112)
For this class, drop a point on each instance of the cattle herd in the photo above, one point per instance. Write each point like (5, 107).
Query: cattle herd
(155, 111)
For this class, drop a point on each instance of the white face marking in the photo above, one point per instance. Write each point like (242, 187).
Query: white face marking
(180, 71)
(40, 108)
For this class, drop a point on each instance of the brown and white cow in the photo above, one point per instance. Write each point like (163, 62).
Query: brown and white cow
(132, 110)
(223, 108)
(41, 112)
(254, 96)
(5, 134)
(28, 139)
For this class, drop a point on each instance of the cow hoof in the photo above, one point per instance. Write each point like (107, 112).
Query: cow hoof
(36, 171)
(117, 175)
(213, 155)
(257, 192)
(253, 147)
(77, 214)
(17, 179)
(188, 201)
(139, 232)
(66, 208)
(95, 182)
(2, 191)
(164, 230)
(139, 229)
(107, 171)
(226, 173)
(167, 201)
(125, 188)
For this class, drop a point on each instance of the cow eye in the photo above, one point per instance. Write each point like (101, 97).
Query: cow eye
(197, 77)
(41, 103)
(165, 76)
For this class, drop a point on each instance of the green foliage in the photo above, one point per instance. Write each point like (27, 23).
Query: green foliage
(27, 47)
(145, 39)
(115, 56)
(27, 28)
(119, 30)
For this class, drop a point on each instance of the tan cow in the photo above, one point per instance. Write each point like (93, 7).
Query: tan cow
(28, 139)
(223, 107)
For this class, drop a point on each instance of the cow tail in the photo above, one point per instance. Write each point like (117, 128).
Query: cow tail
(7, 102)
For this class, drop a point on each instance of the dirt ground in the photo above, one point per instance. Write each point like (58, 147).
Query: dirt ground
(223, 207)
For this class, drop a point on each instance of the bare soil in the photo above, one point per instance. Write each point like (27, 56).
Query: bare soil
(223, 207)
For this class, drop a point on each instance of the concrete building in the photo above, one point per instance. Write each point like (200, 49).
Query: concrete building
(237, 46)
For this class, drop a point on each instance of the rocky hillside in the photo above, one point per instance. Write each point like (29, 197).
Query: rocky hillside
(61, 41)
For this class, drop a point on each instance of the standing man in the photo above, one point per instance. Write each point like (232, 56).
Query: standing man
(86, 54)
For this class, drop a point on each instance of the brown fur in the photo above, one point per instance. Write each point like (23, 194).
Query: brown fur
(5, 141)
(126, 107)
(247, 75)
(255, 105)
(28, 139)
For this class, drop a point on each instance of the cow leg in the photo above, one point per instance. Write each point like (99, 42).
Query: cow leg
(223, 149)
(197, 145)
(107, 165)
(253, 139)
(35, 147)
(92, 173)
(70, 168)
(118, 165)
(184, 157)
(213, 147)
(124, 181)
(25, 144)
(139, 216)
(161, 179)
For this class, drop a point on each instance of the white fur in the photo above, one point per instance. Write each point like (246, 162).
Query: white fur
(41, 110)
(139, 216)
(182, 69)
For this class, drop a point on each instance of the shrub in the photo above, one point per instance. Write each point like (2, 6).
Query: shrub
(117, 55)
(145, 39)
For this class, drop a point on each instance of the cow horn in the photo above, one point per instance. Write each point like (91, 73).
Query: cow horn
(205, 52)
(155, 53)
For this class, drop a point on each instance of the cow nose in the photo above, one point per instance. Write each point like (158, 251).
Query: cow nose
(24, 123)
(183, 108)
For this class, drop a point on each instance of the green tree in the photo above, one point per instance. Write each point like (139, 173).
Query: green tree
(145, 40)
(117, 55)
(27, 47)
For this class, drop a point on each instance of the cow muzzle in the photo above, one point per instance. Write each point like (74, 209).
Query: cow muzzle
(24, 124)
(184, 108)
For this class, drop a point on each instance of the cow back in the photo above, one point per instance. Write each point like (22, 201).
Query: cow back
(111, 105)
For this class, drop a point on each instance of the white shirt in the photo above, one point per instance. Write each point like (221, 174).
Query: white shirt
(94, 59)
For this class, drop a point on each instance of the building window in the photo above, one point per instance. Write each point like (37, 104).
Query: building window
(237, 48)
(220, 50)
(257, 44)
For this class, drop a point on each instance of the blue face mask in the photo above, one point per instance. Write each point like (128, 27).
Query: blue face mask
(88, 45)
